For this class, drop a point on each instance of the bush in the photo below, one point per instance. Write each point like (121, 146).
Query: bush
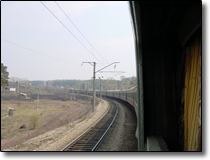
(34, 121)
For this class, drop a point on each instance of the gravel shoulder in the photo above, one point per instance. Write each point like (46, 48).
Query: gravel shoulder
(121, 136)
(56, 139)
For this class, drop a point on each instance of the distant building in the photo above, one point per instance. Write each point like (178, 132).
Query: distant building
(12, 89)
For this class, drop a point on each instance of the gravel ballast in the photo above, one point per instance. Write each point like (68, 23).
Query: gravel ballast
(121, 136)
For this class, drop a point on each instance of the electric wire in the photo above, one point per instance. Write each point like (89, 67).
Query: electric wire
(37, 52)
(69, 31)
(40, 53)
(79, 30)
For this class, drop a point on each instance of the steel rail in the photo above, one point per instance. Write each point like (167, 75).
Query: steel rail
(103, 136)
(80, 136)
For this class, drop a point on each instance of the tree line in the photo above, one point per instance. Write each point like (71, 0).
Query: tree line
(106, 84)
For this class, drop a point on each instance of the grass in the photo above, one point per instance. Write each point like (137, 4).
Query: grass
(23, 111)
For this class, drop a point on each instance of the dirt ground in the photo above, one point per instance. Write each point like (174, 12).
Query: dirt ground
(27, 122)
(58, 138)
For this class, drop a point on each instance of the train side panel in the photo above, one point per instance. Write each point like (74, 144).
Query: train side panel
(129, 96)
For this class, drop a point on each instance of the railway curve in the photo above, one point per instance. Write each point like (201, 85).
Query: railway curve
(92, 137)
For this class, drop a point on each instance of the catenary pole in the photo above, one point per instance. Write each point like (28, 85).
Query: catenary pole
(100, 88)
(94, 91)
(94, 72)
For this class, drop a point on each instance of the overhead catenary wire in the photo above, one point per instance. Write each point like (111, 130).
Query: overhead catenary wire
(73, 34)
(79, 30)
(37, 52)
(70, 31)
(41, 53)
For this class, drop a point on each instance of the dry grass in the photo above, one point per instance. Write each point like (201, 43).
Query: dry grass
(48, 110)
(56, 139)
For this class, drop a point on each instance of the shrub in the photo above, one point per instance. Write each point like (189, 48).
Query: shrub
(34, 121)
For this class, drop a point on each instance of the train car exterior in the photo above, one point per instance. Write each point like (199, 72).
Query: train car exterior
(127, 95)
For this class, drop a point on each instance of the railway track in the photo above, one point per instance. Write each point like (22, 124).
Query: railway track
(92, 137)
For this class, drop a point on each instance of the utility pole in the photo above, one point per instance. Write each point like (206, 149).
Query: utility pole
(17, 86)
(94, 91)
(87, 87)
(94, 72)
(100, 88)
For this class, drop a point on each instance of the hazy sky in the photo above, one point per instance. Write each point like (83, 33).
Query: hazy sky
(36, 46)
